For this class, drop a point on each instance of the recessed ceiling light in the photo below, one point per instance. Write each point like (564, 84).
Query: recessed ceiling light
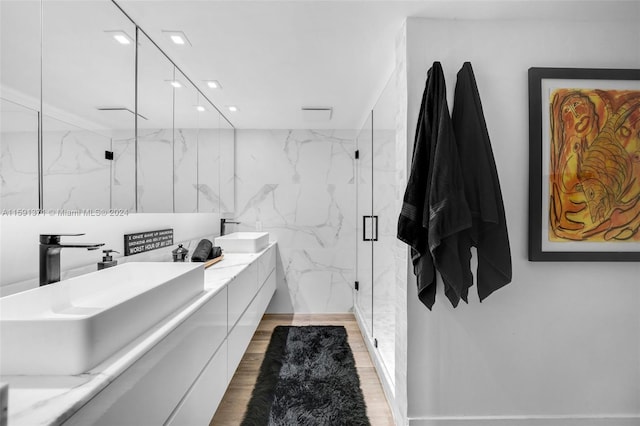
(120, 36)
(177, 37)
(200, 108)
(233, 108)
(174, 83)
(214, 84)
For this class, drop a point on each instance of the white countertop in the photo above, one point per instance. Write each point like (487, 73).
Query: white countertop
(51, 400)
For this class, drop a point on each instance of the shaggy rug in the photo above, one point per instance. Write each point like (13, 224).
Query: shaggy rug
(308, 377)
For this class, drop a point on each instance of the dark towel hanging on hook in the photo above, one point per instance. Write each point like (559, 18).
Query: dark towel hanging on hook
(434, 209)
(482, 190)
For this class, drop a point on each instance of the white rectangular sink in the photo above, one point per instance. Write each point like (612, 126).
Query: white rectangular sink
(243, 242)
(69, 327)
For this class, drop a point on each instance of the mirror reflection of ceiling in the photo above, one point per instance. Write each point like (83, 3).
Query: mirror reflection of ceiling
(88, 78)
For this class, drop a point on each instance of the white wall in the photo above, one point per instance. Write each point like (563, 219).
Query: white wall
(299, 185)
(20, 238)
(560, 345)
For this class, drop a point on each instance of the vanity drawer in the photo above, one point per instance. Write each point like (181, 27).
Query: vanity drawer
(199, 405)
(149, 390)
(240, 336)
(242, 289)
(266, 264)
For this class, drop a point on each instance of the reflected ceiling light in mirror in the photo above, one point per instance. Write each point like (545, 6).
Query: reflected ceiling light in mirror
(174, 83)
(213, 84)
(120, 36)
(177, 37)
(233, 108)
(200, 108)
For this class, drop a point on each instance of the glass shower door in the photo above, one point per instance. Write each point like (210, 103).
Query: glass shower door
(364, 243)
(386, 210)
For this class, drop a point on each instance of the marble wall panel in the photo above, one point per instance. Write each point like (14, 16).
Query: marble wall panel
(299, 186)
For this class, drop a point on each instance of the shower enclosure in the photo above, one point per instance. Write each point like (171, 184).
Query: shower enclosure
(377, 212)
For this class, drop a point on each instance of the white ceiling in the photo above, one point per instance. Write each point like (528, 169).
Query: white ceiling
(274, 57)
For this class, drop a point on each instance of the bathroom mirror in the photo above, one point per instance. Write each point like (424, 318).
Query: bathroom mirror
(187, 110)
(227, 167)
(156, 93)
(88, 83)
(70, 125)
(19, 156)
(19, 103)
(209, 160)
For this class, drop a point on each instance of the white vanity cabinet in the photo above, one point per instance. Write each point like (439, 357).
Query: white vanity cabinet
(147, 392)
(242, 290)
(182, 379)
(240, 335)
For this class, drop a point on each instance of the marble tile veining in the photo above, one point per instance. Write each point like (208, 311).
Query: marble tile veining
(299, 186)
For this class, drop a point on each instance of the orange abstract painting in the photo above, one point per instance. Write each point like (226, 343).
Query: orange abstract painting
(594, 179)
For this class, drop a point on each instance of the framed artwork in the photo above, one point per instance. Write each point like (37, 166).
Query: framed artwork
(584, 164)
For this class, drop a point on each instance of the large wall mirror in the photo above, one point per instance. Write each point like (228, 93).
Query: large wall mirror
(73, 135)
(19, 103)
(155, 128)
(88, 91)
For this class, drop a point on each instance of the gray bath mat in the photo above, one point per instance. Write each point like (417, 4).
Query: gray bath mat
(308, 377)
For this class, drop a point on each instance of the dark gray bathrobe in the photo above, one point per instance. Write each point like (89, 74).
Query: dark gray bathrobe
(434, 209)
(482, 191)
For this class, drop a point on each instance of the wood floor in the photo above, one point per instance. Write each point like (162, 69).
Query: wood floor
(233, 405)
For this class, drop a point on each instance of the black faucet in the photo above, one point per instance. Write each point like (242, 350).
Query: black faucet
(223, 222)
(50, 248)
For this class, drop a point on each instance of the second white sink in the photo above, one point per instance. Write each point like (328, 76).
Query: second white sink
(243, 242)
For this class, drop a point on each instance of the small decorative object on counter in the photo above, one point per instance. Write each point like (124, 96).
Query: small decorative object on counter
(202, 253)
(180, 254)
(107, 259)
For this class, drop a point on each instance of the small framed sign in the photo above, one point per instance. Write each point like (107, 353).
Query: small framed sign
(147, 241)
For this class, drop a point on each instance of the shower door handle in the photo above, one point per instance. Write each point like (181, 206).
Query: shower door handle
(372, 235)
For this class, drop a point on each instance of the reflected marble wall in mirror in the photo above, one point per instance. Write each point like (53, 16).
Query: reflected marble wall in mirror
(18, 156)
(156, 91)
(227, 167)
(187, 110)
(209, 163)
(19, 103)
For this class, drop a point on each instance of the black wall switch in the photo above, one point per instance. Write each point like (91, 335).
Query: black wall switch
(108, 155)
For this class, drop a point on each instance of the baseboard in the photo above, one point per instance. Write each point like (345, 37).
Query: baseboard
(566, 420)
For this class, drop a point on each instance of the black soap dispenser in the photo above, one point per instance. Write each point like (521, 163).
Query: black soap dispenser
(107, 260)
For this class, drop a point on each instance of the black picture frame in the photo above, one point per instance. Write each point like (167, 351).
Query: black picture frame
(585, 251)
